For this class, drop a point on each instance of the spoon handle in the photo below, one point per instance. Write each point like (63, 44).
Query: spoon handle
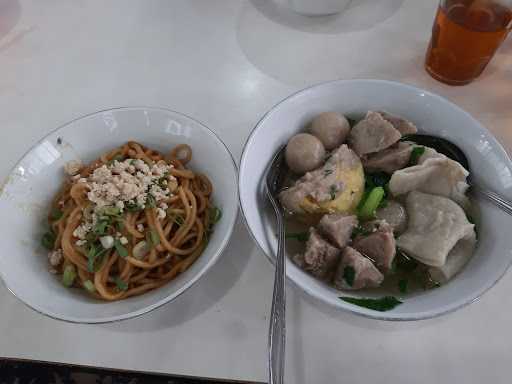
(494, 198)
(277, 331)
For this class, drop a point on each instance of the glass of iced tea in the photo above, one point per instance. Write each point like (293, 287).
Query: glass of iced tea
(465, 36)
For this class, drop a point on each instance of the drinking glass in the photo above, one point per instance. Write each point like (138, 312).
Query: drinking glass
(465, 36)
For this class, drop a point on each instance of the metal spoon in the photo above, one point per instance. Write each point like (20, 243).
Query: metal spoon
(452, 151)
(277, 330)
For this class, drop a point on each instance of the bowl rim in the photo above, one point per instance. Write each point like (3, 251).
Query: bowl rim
(191, 282)
(350, 308)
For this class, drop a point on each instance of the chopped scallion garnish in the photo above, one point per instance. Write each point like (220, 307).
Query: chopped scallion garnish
(69, 275)
(121, 284)
(89, 285)
(372, 202)
(120, 249)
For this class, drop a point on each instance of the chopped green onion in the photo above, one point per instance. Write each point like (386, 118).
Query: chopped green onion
(215, 215)
(121, 285)
(120, 249)
(111, 211)
(372, 202)
(89, 285)
(101, 227)
(299, 236)
(416, 153)
(150, 201)
(179, 220)
(153, 236)
(48, 240)
(119, 225)
(56, 214)
(349, 274)
(95, 251)
(383, 304)
(132, 207)
(69, 275)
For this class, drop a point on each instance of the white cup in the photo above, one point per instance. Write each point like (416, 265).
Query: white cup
(318, 7)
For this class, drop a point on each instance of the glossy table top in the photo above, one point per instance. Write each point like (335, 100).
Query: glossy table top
(225, 63)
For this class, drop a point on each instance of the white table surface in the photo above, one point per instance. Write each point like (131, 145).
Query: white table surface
(226, 62)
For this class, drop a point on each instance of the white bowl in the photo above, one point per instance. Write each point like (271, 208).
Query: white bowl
(432, 114)
(38, 175)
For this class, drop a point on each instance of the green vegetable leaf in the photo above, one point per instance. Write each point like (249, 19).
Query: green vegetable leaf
(378, 179)
(300, 236)
(416, 153)
(121, 284)
(120, 249)
(359, 231)
(56, 214)
(332, 191)
(402, 285)
(48, 240)
(383, 204)
(382, 304)
(349, 273)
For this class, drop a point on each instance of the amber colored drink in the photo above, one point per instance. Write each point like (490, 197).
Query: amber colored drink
(465, 36)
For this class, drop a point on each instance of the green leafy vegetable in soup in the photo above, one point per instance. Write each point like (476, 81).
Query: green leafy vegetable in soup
(383, 304)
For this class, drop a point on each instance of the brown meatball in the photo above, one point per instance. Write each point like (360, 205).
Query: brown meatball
(331, 128)
(304, 152)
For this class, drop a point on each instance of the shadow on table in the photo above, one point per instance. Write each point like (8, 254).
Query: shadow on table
(306, 50)
(359, 15)
(202, 296)
(10, 12)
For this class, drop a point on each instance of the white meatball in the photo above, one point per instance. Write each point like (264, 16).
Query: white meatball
(331, 128)
(304, 153)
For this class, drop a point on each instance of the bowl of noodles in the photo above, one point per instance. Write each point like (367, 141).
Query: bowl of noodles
(115, 214)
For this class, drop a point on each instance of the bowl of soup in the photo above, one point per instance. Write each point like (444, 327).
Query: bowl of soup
(377, 224)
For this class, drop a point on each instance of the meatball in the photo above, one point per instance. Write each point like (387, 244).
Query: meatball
(304, 152)
(331, 128)
(395, 215)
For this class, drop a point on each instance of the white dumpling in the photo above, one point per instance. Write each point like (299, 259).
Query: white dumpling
(435, 225)
(456, 259)
(435, 174)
